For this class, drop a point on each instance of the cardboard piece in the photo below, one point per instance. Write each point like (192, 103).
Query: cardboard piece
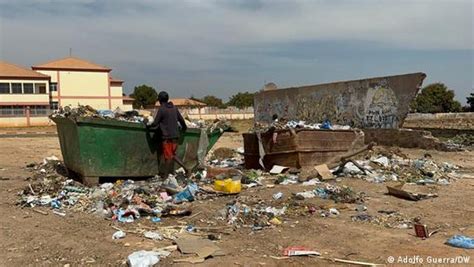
(324, 172)
(277, 169)
(190, 260)
(398, 192)
(203, 248)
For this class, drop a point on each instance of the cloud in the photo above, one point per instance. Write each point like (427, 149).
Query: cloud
(421, 24)
(192, 37)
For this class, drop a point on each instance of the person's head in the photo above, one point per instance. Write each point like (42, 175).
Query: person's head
(163, 97)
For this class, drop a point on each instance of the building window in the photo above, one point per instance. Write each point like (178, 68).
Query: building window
(38, 111)
(40, 88)
(6, 111)
(12, 111)
(27, 88)
(18, 111)
(54, 106)
(4, 88)
(53, 87)
(16, 88)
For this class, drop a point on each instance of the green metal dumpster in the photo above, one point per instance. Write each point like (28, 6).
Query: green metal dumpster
(96, 147)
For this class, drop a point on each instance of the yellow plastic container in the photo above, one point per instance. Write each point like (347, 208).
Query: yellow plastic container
(219, 185)
(228, 186)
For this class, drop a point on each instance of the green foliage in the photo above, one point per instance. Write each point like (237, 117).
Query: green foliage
(436, 98)
(212, 101)
(241, 100)
(144, 96)
(470, 102)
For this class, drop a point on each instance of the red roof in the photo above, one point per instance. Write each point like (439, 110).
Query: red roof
(114, 80)
(71, 63)
(11, 71)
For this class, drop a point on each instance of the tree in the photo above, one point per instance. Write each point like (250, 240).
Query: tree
(212, 101)
(241, 100)
(470, 102)
(435, 98)
(144, 96)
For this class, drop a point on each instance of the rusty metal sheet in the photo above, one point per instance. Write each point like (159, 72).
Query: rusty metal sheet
(381, 102)
(301, 149)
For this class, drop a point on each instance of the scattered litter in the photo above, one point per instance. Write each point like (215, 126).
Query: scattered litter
(155, 219)
(361, 208)
(278, 195)
(421, 231)
(143, 258)
(62, 214)
(275, 221)
(334, 211)
(311, 182)
(299, 251)
(230, 186)
(461, 241)
(362, 217)
(187, 194)
(152, 235)
(118, 235)
(383, 161)
(277, 169)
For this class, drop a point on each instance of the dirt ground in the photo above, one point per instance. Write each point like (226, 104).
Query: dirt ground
(30, 238)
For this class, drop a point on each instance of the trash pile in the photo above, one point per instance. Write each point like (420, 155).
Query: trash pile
(88, 111)
(210, 125)
(340, 194)
(224, 157)
(255, 214)
(379, 168)
(386, 218)
(280, 124)
(461, 142)
(136, 116)
(123, 201)
(127, 201)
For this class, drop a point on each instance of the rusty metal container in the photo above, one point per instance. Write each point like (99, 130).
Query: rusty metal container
(299, 148)
(381, 102)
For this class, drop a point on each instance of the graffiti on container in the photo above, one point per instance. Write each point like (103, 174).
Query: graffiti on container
(369, 107)
(381, 108)
(368, 103)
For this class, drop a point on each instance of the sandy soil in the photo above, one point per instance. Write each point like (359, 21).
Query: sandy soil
(30, 238)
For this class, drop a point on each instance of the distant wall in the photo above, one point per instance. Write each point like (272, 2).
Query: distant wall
(407, 138)
(23, 121)
(457, 121)
(227, 116)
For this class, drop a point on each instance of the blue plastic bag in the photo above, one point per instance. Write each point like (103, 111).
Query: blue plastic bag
(187, 194)
(321, 192)
(461, 241)
(326, 125)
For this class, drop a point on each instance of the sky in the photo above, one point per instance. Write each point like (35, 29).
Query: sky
(213, 47)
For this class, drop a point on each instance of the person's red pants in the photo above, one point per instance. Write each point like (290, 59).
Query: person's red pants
(169, 149)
